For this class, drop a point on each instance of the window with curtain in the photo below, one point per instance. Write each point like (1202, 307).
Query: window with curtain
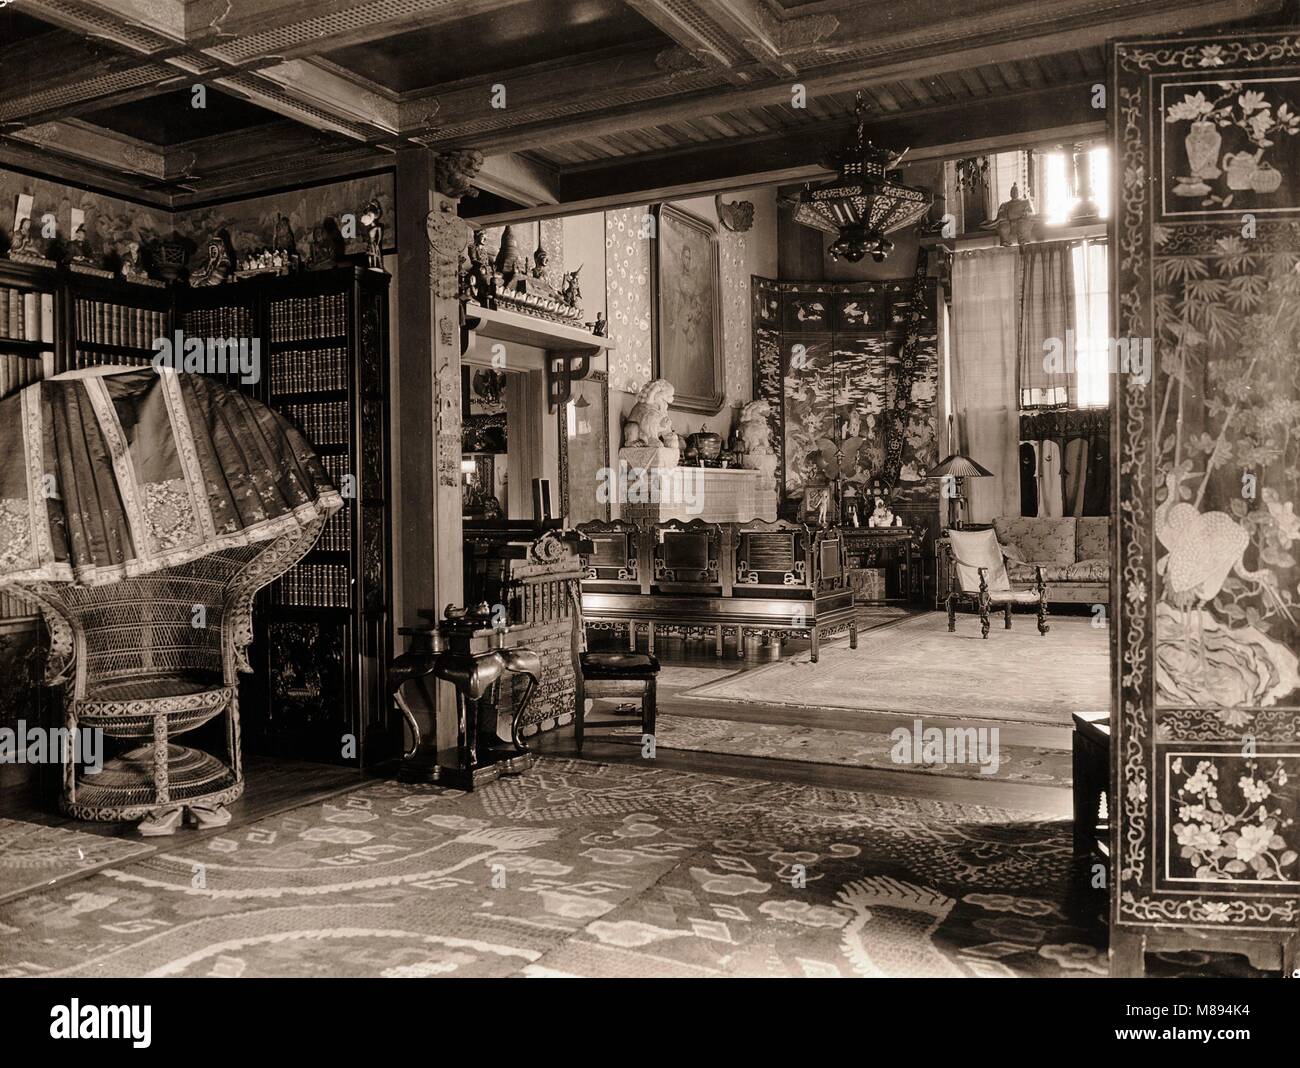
(1064, 299)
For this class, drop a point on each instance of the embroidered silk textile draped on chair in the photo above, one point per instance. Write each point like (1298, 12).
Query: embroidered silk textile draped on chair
(128, 473)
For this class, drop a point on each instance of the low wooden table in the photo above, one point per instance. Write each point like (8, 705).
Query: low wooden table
(1091, 749)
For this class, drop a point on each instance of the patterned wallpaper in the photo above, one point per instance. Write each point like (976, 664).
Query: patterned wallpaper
(736, 323)
(627, 282)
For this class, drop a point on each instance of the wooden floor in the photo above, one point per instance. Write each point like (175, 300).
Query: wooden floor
(271, 786)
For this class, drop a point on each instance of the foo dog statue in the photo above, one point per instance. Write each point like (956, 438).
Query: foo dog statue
(648, 424)
(755, 434)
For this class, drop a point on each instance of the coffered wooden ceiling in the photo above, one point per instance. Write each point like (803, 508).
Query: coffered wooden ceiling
(604, 99)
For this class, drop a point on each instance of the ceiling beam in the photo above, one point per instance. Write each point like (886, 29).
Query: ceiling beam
(691, 25)
(1017, 120)
(519, 179)
(548, 114)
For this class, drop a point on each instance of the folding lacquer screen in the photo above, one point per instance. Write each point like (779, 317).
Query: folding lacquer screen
(1206, 754)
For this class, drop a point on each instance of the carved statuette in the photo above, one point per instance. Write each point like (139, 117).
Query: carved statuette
(370, 216)
(453, 173)
(220, 262)
(755, 435)
(648, 424)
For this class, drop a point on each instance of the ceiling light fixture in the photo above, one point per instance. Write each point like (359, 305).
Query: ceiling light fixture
(867, 201)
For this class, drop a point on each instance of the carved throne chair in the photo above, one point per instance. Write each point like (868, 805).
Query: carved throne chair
(977, 573)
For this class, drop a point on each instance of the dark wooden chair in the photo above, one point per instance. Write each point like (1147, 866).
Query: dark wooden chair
(621, 674)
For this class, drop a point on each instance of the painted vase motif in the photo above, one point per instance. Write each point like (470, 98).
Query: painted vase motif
(1203, 142)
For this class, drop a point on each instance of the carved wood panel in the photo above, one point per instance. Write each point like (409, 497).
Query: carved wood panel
(1207, 740)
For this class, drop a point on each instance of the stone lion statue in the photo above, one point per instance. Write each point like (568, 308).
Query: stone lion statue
(648, 424)
(755, 434)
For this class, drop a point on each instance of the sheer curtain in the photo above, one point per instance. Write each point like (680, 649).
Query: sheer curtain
(985, 312)
(1047, 313)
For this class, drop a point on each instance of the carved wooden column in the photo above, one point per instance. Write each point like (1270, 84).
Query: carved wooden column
(430, 238)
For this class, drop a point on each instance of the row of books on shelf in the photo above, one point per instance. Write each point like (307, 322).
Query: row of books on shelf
(309, 370)
(19, 371)
(336, 535)
(16, 607)
(26, 315)
(313, 586)
(100, 322)
(305, 318)
(323, 424)
(90, 358)
(233, 321)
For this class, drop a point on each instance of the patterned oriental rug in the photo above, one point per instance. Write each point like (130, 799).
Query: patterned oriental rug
(916, 666)
(584, 869)
(33, 856)
(858, 749)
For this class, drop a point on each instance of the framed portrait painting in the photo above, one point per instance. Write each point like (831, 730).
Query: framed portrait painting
(687, 321)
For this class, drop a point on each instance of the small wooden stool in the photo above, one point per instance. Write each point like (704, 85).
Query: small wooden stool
(616, 675)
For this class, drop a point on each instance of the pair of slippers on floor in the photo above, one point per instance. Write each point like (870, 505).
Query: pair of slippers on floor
(167, 820)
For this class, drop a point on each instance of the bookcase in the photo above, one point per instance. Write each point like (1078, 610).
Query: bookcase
(321, 633)
(321, 637)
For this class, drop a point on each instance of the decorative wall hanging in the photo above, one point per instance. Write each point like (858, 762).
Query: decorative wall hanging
(687, 313)
(737, 217)
(1206, 757)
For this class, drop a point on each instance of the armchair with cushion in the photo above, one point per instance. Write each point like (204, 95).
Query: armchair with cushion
(977, 572)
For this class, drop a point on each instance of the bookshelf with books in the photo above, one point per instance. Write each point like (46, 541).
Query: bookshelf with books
(54, 320)
(322, 631)
(29, 301)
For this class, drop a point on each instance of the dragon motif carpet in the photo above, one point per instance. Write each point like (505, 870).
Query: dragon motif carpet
(583, 869)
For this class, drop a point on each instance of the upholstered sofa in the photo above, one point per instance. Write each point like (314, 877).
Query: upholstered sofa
(1074, 553)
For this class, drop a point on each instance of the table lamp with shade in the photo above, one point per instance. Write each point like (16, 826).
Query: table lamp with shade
(958, 467)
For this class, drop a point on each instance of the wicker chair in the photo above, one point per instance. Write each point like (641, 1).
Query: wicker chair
(152, 657)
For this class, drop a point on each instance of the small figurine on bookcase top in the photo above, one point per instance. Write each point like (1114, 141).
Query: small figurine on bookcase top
(370, 216)
(326, 246)
(285, 243)
(600, 328)
(26, 247)
(220, 262)
(133, 266)
(78, 253)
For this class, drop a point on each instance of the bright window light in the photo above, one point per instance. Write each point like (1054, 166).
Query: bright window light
(1091, 324)
(1058, 185)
